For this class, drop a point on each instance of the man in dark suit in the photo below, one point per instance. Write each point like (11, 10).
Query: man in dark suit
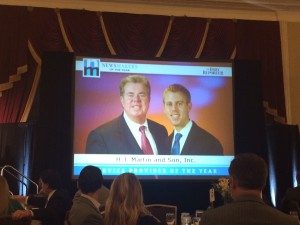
(291, 199)
(248, 174)
(51, 205)
(122, 135)
(86, 207)
(193, 140)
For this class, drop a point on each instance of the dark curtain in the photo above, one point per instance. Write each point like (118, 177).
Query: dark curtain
(54, 117)
(14, 87)
(248, 108)
(17, 149)
(283, 156)
(28, 32)
(185, 37)
(84, 31)
(135, 35)
(257, 39)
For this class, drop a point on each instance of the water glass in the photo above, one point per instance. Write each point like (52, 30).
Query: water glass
(196, 220)
(186, 219)
(199, 213)
(170, 218)
(183, 214)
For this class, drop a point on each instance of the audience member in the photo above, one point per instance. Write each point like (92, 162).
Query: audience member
(248, 175)
(131, 132)
(86, 208)
(52, 208)
(101, 198)
(7, 204)
(292, 195)
(125, 203)
(187, 138)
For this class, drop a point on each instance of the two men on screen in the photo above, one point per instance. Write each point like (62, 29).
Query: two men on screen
(123, 135)
(187, 138)
(131, 132)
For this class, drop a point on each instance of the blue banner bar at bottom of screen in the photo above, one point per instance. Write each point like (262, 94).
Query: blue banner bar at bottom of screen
(168, 170)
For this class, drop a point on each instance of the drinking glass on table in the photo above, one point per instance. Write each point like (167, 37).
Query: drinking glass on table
(186, 219)
(196, 220)
(199, 213)
(183, 215)
(170, 218)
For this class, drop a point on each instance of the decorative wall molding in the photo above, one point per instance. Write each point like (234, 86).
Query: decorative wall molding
(269, 10)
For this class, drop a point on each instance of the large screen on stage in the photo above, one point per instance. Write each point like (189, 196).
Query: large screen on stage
(105, 136)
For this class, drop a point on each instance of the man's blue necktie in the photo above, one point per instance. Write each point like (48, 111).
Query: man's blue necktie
(176, 145)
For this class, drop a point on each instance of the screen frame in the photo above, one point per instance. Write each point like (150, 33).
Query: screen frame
(191, 177)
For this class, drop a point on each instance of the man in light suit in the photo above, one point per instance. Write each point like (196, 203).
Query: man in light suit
(122, 135)
(248, 174)
(86, 209)
(194, 139)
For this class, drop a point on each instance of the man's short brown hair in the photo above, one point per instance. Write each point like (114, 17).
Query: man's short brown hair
(250, 170)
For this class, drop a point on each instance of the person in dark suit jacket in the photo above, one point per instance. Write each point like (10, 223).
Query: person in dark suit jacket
(122, 135)
(52, 205)
(86, 208)
(194, 140)
(291, 198)
(248, 174)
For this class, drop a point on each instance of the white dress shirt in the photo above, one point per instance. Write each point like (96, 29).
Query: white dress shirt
(134, 128)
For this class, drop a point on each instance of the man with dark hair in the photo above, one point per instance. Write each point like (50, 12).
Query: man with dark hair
(86, 208)
(53, 202)
(187, 138)
(248, 174)
(131, 132)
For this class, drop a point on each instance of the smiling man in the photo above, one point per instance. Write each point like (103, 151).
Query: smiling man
(187, 138)
(131, 132)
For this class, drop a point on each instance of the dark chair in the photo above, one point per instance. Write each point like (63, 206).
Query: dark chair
(294, 206)
(67, 222)
(159, 211)
(7, 220)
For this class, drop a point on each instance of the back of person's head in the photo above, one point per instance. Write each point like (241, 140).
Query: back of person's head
(125, 200)
(134, 79)
(90, 179)
(178, 88)
(4, 196)
(127, 189)
(52, 178)
(249, 170)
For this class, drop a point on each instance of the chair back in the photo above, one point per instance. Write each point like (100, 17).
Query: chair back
(7, 220)
(67, 222)
(294, 206)
(159, 211)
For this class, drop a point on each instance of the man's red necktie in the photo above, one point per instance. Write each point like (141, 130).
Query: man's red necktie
(146, 147)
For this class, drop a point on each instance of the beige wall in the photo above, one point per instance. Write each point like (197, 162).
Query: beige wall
(290, 35)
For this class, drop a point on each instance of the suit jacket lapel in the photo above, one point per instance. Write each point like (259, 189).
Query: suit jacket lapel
(127, 139)
(188, 142)
(169, 142)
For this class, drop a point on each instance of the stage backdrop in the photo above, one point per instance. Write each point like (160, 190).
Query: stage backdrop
(54, 129)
